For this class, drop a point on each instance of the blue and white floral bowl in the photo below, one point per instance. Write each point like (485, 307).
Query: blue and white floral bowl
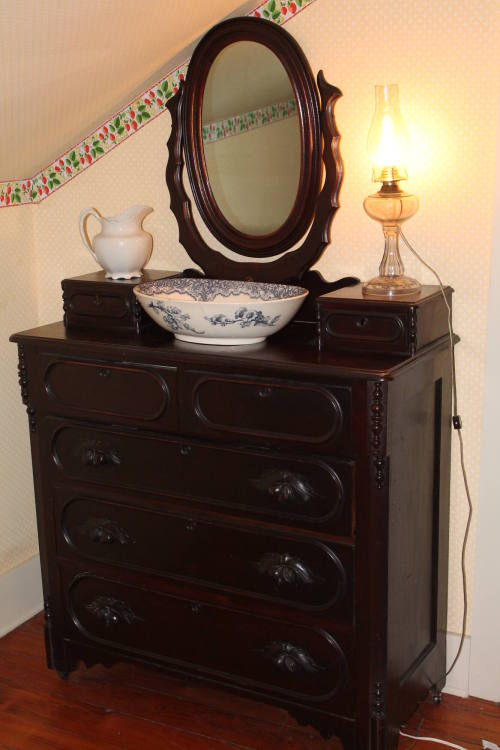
(210, 311)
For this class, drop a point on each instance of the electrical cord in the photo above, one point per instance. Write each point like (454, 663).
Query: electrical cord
(432, 739)
(457, 424)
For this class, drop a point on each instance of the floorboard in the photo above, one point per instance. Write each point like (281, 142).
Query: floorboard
(130, 707)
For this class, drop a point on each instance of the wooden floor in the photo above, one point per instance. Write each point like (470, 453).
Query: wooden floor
(130, 707)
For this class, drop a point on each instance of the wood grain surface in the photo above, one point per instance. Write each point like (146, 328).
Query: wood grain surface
(130, 707)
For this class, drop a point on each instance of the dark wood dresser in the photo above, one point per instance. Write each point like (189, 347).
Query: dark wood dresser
(270, 518)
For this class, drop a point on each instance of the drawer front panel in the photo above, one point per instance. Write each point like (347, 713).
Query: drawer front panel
(365, 330)
(306, 574)
(266, 410)
(262, 653)
(101, 388)
(102, 305)
(286, 489)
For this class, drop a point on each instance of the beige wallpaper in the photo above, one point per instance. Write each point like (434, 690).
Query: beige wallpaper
(445, 56)
(18, 309)
(66, 66)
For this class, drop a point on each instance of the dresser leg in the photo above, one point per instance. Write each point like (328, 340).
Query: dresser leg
(340, 738)
(56, 650)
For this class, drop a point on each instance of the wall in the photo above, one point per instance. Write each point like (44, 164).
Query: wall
(485, 651)
(18, 310)
(444, 55)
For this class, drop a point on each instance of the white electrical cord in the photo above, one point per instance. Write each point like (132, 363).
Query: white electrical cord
(457, 424)
(432, 739)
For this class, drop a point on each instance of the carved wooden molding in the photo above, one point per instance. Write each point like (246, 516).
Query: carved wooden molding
(378, 711)
(290, 658)
(286, 488)
(319, 125)
(23, 382)
(286, 569)
(97, 454)
(378, 716)
(413, 330)
(377, 418)
(112, 611)
(104, 531)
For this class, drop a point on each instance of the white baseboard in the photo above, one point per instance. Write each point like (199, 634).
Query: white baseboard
(457, 683)
(20, 595)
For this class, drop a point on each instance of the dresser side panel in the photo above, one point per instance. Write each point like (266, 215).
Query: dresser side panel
(419, 405)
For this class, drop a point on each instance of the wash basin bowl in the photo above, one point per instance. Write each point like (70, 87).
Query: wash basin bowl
(212, 311)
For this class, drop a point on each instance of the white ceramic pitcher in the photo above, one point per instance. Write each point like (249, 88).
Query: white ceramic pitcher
(122, 247)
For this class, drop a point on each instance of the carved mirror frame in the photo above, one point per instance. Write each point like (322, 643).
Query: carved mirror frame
(316, 200)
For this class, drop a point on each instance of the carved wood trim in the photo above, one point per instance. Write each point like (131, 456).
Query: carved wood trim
(285, 569)
(293, 264)
(290, 658)
(24, 384)
(105, 531)
(378, 716)
(112, 611)
(413, 330)
(378, 433)
(284, 47)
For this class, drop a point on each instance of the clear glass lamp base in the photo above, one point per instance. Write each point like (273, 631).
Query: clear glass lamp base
(391, 206)
(391, 286)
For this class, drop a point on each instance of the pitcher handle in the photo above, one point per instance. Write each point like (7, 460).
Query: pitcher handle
(83, 229)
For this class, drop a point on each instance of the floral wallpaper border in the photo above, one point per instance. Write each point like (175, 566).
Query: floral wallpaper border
(216, 131)
(122, 125)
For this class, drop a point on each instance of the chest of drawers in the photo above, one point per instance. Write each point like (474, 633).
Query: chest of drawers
(272, 519)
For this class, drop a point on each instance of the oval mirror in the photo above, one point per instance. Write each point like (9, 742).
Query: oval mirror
(251, 138)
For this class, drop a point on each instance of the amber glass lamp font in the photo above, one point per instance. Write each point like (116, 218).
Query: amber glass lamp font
(388, 151)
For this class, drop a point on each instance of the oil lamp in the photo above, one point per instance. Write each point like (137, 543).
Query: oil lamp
(388, 150)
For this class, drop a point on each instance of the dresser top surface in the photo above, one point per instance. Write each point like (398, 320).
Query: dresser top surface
(296, 349)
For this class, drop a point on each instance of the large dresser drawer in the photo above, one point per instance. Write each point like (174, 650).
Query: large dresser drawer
(282, 568)
(102, 390)
(306, 491)
(260, 411)
(260, 653)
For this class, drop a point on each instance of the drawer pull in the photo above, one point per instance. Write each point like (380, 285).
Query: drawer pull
(284, 568)
(103, 372)
(104, 531)
(362, 322)
(97, 455)
(112, 611)
(264, 392)
(286, 488)
(196, 608)
(185, 450)
(289, 658)
(191, 525)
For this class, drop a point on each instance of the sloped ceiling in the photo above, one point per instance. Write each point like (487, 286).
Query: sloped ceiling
(67, 65)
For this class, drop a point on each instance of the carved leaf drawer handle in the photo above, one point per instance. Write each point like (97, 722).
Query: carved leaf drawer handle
(290, 658)
(97, 455)
(112, 611)
(284, 568)
(285, 487)
(105, 531)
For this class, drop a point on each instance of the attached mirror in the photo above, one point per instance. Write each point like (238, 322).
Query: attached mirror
(255, 132)
(251, 138)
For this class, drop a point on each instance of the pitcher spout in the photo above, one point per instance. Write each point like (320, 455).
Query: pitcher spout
(135, 214)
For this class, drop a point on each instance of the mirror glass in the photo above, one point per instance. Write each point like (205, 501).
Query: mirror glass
(251, 138)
